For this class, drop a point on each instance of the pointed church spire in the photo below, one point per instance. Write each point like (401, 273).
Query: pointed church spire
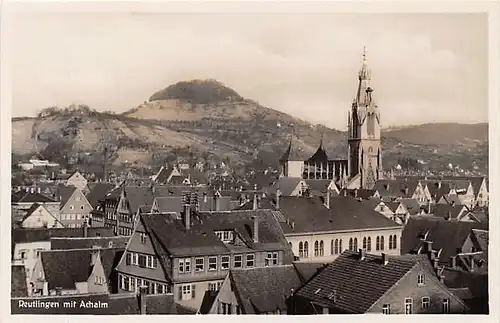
(363, 95)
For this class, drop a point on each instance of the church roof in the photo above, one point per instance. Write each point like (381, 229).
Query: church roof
(293, 153)
(320, 155)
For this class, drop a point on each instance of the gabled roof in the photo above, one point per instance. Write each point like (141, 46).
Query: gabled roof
(396, 188)
(200, 239)
(18, 282)
(294, 153)
(118, 304)
(357, 284)
(99, 192)
(451, 199)
(265, 289)
(310, 215)
(65, 243)
(446, 211)
(208, 301)
(286, 185)
(318, 186)
(64, 268)
(360, 193)
(308, 270)
(412, 206)
(445, 235)
(28, 197)
(64, 193)
(481, 238)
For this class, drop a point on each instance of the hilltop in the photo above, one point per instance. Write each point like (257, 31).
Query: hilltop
(208, 119)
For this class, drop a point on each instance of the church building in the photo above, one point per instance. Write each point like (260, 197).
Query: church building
(363, 166)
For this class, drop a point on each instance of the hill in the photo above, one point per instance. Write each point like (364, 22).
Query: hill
(206, 119)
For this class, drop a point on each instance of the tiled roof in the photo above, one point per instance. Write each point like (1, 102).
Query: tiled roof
(265, 289)
(98, 193)
(64, 193)
(163, 174)
(310, 215)
(64, 268)
(44, 234)
(200, 239)
(285, 184)
(65, 243)
(446, 211)
(451, 199)
(263, 203)
(318, 186)
(393, 206)
(18, 282)
(396, 188)
(481, 237)
(357, 284)
(308, 270)
(445, 235)
(320, 155)
(28, 197)
(208, 301)
(117, 304)
(412, 206)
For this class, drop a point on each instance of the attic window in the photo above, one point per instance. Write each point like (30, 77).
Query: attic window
(225, 236)
(317, 291)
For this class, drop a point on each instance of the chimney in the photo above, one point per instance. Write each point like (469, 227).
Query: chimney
(217, 202)
(278, 194)
(355, 193)
(453, 262)
(385, 259)
(439, 184)
(428, 246)
(27, 189)
(255, 205)
(32, 190)
(85, 229)
(255, 229)
(143, 290)
(187, 216)
(362, 254)
(327, 199)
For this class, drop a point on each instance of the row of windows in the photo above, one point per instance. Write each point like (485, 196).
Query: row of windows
(145, 261)
(426, 302)
(124, 231)
(99, 280)
(336, 246)
(215, 263)
(23, 253)
(74, 216)
(228, 308)
(132, 284)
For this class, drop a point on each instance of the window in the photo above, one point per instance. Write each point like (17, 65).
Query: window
(390, 242)
(271, 259)
(394, 243)
(316, 248)
(143, 237)
(151, 262)
(381, 242)
(351, 244)
(306, 249)
(212, 263)
(425, 302)
(133, 284)
(369, 244)
(238, 261)
(78, 198)
(355, 244)
(199, 264)
(421, 280)
(364, 243)
(185, 265)
(321, 248)
(336, 246)
(38, 251)
(446, 306)
(81, 207)
(301, 250)
(408, 306)
(332, 248)
(377, 244)
(186, 292)
(250, 260)
(71, 207)
(224, 264)
(386, 309)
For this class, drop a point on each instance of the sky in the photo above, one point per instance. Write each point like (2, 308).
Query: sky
(424, 67)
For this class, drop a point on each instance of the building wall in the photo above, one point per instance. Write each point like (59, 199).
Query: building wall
(294, 169)
(225, 295)
(31, 256)
(76, 210)
(408, 288)
(200, 288)
(41, 218)
(77, 180)
(345, 236)
(483, 195)
(99, 285)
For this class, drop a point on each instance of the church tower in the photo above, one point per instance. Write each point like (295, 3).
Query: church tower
(364, 151)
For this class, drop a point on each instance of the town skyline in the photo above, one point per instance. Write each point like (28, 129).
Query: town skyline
(415, 71)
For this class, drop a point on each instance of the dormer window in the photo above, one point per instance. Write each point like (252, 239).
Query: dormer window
(225, 236)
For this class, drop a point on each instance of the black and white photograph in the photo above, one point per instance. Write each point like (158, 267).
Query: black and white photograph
(249, 162)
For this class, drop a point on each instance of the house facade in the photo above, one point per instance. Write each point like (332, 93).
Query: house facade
(191, 255)
(402, 285)
(75, 209)
(39, 217)
(77, 180)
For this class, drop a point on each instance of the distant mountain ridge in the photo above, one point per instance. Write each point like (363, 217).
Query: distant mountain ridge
(206, 118)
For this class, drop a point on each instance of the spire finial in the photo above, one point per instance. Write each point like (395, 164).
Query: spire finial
(364, 54)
